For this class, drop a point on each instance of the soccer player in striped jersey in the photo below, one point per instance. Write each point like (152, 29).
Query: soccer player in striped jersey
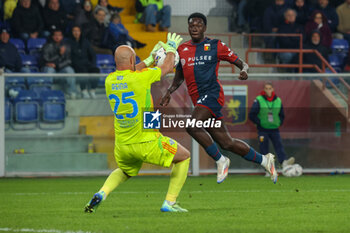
(199, 63)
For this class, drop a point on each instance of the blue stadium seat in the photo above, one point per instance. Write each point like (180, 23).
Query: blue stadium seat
(19, 44)
(39, 84)
(26, 95)
(15, 83)
(52, 96)
(40, 88)
(34, 45)
(30, 62)
(334, 61)
(340, 46)
(54, 106)
(105, 60)
(107, 70)
(106, 65)
(26, 107)
(39, 80)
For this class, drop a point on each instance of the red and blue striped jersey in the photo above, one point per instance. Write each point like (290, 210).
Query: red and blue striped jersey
(200, 63)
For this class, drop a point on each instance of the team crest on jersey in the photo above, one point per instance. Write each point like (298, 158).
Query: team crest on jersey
(206, 47)
(236, 106)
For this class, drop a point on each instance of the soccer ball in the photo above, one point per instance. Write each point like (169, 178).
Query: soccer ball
(292, 170)
(160, 57)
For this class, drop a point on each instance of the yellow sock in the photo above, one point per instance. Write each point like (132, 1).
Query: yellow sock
(177, 179)
(114, 180)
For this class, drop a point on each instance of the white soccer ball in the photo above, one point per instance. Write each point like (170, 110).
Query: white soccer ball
(160, 57)
(292, 170)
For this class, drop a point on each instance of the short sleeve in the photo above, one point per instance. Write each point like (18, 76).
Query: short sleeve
(225, 53)
(150, 75)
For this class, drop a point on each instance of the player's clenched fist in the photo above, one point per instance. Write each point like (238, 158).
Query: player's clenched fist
(243, 75)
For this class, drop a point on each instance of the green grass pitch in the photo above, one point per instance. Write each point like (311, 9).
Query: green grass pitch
(241, 204)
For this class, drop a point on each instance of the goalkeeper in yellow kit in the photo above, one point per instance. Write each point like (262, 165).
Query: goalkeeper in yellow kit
(129, 92)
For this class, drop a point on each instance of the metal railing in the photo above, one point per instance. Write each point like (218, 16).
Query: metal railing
(300, 52)
(300, 65)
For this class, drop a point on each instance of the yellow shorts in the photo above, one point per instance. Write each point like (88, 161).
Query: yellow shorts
(130, 157)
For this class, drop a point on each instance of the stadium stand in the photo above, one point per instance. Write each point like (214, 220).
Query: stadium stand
(53, 108)
(92, 115)
(340, 48)
(334, 61)
(26, 108)
(39, 84)
(105, 60)
(34, 45)
(15, 83)
(31, 62)
(19, 44)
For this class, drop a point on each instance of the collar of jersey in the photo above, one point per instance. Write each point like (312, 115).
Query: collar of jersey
(204, 41)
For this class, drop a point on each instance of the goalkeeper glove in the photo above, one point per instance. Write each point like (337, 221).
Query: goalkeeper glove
(150, 59)
(172, 43)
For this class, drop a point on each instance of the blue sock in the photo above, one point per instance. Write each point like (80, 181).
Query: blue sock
(213, 152)
(253, 156)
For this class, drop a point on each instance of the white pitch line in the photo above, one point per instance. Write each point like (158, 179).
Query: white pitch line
(40, 230)
(197, 191)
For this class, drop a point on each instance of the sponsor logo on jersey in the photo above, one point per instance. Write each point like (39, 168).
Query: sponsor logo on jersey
(185, 49)
(198, 60)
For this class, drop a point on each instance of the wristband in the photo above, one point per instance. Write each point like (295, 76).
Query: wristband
(148, 61)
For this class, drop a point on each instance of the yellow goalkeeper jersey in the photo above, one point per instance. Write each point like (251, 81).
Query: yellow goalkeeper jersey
(129, 95)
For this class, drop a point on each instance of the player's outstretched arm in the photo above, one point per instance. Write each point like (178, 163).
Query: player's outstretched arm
(150, 59)
(243, 75)
(178, 80)
(170, 47)
(168, 65)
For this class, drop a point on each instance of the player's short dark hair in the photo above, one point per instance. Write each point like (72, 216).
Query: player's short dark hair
(198, 15)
